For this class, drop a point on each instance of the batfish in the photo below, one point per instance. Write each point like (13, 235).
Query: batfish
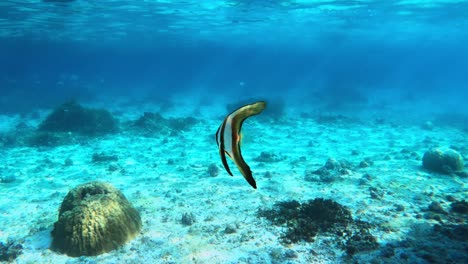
(228, 138)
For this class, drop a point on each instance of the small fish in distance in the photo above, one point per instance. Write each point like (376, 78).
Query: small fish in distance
(228, 138)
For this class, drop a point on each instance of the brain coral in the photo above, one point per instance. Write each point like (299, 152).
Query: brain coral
(94, 218)
(443, 160)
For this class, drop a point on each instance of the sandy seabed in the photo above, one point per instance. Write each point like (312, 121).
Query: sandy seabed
(165, 177)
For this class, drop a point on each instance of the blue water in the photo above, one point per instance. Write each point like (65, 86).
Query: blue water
(376, 83)
(79, 49)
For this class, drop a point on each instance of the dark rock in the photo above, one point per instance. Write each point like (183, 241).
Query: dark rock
(188, 219)
(113, 167)
(436, 217)
(268, 157)
(405, 151)
(268, 175)
(68, 162)
(363, 181)
(404, 255)
(213, 170)
(10, 250)
(388, 251)
(330, 172)
(460, 207)
(321, 175)
(290, 254)
(376, 193)
(450, 198)
(436, 208)
(7, 178)
(455, 232)
(415, 155)
(363, 164)
(399, 207)
(230, 228)
(102, 157)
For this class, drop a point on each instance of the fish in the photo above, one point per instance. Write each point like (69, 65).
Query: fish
(228, 138)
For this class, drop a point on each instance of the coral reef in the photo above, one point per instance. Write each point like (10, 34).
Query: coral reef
(151, 124)
(303, 222)
(94, 218)
(72, 117)
(445, 161)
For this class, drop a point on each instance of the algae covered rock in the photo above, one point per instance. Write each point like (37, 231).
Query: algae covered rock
(443, 160)
(94, 218)
(305, 221)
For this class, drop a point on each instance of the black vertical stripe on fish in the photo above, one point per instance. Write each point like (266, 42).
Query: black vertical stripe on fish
(221, 146)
